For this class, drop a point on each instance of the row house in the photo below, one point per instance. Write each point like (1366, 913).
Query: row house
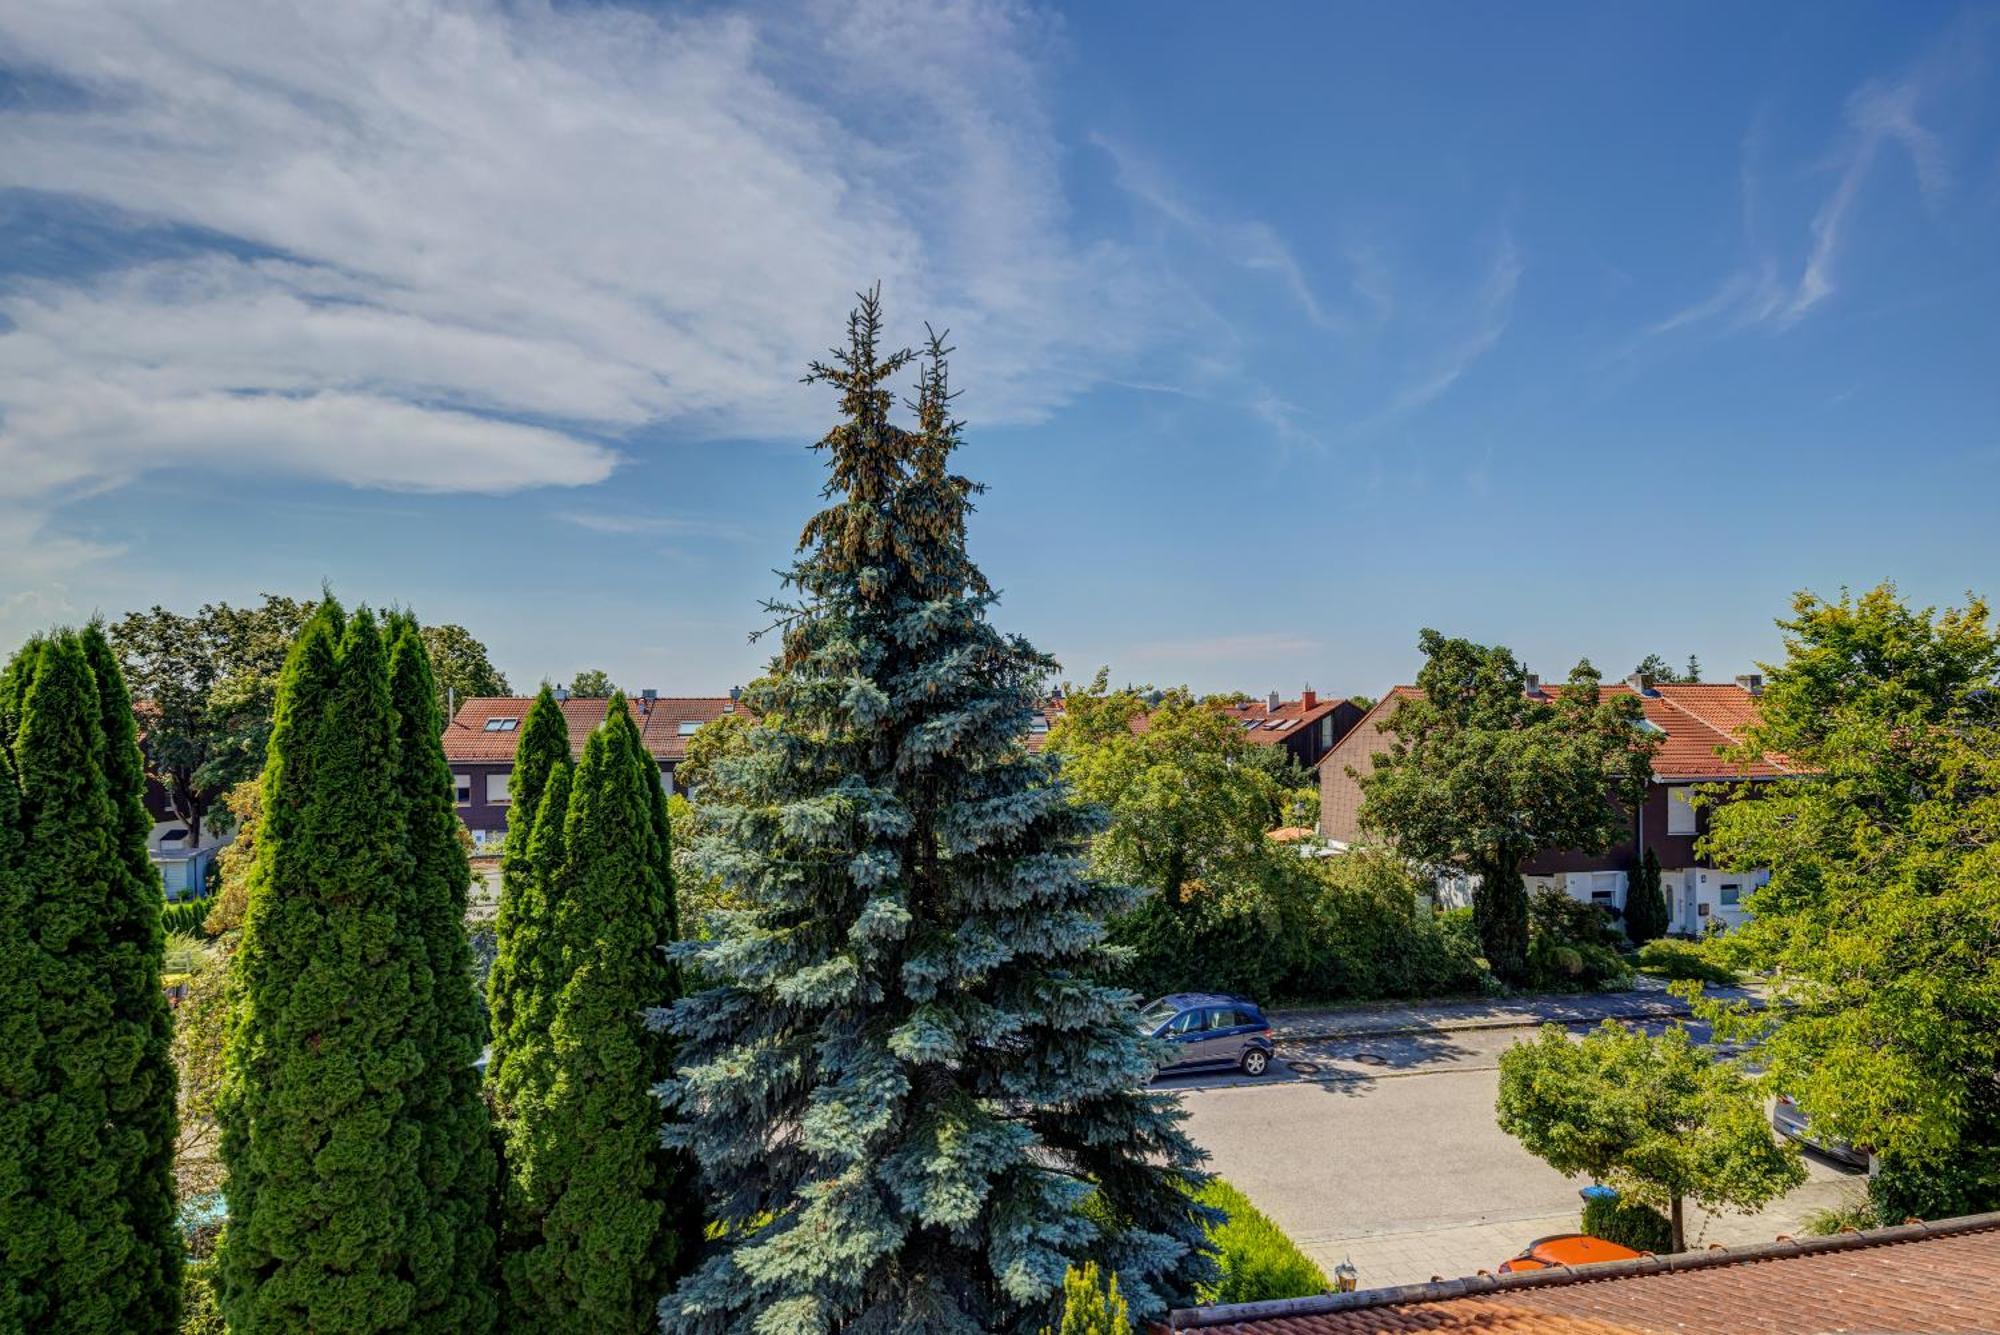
(1307, 727)
(1696, 722)
(484, 731)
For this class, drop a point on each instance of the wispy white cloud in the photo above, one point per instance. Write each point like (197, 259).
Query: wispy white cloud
(1483, 320)
(623, 524)
(475, 246)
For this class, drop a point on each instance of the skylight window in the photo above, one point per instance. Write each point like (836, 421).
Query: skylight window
(689, 727)
(1647, 725)
(502, 724)
(1040, 723)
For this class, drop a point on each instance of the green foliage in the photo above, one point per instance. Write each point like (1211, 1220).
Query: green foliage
(1629, 1224)
(1092, 1304)
(1685, 960)
(1858, 1216)
(911, 990)
(353, 1181)
(599, 1217)
(1572, 946)
(592, 684)
(86, 1075)
(1479, 776)
(1190, 796)
(1658, 1118)
(715, 741)
(1660, 670)
(1302, 929)
(1258, 1261)
(1881, 919)
(187, 917)
(520, 985)
(201, 1302)
(460, 667)
(1645, 903)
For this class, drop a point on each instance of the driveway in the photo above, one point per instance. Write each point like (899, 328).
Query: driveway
(1382, 1148)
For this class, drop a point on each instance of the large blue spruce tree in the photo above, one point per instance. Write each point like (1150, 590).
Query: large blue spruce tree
(914, 1105)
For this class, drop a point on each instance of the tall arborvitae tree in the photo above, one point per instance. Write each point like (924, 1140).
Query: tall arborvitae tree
(337, 1056)
(913, 1104)
(544, 744)
(600, 1217)
(454, 1272)
(86, 1183)
(1646, 903)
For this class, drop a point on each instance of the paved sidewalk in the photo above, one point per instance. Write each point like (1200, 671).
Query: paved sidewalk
(1648, 999)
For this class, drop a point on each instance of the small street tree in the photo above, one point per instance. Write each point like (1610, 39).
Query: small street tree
(1646, 903)
(1881, 920)
(1480, 776)
(601, 1216)
(913, 1104)
(1659, 1118)
(87, 1122)
(344, 1128)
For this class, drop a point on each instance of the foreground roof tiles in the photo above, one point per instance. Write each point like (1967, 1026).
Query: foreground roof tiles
(1919, 1279)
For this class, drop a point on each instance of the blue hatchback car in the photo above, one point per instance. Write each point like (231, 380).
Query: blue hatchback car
(1211, 1029)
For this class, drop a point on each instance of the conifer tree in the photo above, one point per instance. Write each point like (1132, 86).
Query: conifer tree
(600, 1218)
(543, 746)
(1646, 903)
(454, 1271)
(337, 1061)
(913, 1104)
(87, 1081)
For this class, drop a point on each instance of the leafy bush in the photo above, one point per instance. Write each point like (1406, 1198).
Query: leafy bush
(201, 1310)
(1629, 1224)
(1572, 946)
(1258, 1261)
(1301, 929)
(1092, 1306)
(1684, 960)
(1839, 1218)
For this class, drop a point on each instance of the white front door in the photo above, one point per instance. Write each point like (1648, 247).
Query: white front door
(1689, 913)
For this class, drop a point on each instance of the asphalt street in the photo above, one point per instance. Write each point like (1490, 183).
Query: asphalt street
(1383, 1149)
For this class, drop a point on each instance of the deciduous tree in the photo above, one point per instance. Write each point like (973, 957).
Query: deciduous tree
(905, 1082)
(1658, 1118)
(592, 684)
(1479, 776)
(1881, 919)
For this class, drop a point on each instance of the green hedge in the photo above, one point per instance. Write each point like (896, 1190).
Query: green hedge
(1684, 960)
(186, 916)
(1629, 1224)
(1258, 1261)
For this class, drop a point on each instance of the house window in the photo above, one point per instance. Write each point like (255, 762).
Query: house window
(1039, 723)
(496, 789)
(689, 727)
(461, 785)
(1326, 732)
(1680, 812)
(1731, 893)
(502, 724)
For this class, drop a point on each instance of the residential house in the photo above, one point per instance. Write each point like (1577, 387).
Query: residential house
(1696, 723)
(1915, 1277)
(480, 740)
(1308, 727)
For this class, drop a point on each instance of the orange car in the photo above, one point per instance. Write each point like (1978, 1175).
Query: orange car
(1567, 1249)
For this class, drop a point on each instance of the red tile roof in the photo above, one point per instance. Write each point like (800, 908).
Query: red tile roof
(1290, 718)
(1699, 720)
(1942, 1277)
(467, 739)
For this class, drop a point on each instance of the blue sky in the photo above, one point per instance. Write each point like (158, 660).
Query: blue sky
(1283, 332)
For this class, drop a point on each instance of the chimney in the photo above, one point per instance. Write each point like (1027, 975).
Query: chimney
(1641, 682)
(1276, 703)
(646, 699)
(735, 694)
(561, 693)
(1534, 683)
(1752, 682)
(1309, 698)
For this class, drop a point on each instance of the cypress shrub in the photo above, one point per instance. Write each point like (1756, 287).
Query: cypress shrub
(1259, 1262)
(337, 1062)
(1645, 904)
(601, 1208)
(1092, 1305)
(543, 748)
(86, 1188)
(454, 1269)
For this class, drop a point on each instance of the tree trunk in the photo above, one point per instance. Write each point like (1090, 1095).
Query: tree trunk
(1500, 911)
(1680, 1232)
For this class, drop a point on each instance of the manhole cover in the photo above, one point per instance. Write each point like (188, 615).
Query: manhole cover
(1301, 1066)
(1370, 1059)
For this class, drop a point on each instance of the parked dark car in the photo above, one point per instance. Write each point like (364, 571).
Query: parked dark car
(1792, 1123)
(1211, 1029)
